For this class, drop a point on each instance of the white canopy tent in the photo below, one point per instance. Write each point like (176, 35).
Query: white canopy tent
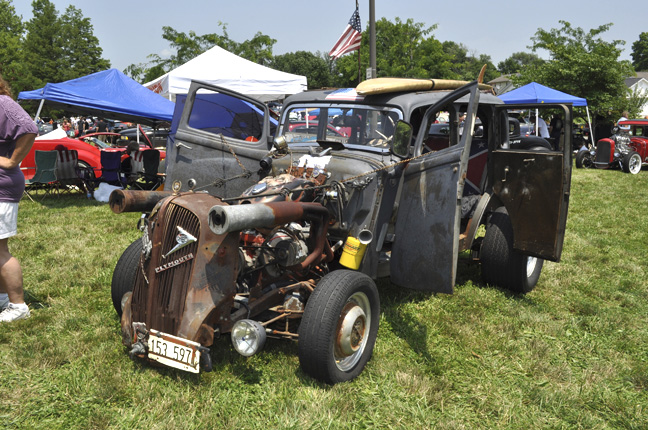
(224, 69)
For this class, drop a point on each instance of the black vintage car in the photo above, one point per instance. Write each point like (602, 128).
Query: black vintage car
(283, 236)
(155, 137)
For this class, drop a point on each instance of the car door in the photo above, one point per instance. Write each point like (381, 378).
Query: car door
(217, 142)
(534, 186)
(426, 241)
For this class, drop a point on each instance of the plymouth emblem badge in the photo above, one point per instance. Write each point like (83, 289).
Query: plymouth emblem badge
(182, 239)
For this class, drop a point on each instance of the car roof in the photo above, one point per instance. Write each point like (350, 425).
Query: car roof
(634, 122)
(405, 100)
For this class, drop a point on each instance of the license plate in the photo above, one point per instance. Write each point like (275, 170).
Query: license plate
(174, 351)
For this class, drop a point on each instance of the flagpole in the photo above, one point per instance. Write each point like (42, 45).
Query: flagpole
(359, 62)
(372, 37)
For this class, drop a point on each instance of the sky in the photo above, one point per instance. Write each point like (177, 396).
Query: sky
(130, 30)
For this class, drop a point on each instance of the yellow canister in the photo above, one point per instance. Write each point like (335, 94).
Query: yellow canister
(354, 249)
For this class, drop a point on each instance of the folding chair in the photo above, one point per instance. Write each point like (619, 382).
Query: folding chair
(111, 171)
(67, 171)
(45, 176)
(144, 170)
(25, 193)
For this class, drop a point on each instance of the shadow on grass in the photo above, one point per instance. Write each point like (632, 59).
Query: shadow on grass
(35, 301)
(406, 324)
(399, 310)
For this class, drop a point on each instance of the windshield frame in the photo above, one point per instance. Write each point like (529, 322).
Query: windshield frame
(285, 126)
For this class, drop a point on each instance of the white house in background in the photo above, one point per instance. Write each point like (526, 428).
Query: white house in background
(502, 84)
(639, 84)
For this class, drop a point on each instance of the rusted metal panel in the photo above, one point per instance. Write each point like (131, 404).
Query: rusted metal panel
(181, 292)
(528, 186)
(423, 256)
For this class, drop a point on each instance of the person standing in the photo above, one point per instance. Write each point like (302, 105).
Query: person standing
(102, 127)
(624, 117)
(17, 134)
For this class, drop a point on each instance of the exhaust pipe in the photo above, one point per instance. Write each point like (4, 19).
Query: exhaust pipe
(227, 219)
(135, 201)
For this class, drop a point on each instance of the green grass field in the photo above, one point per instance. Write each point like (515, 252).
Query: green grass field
(571, 354)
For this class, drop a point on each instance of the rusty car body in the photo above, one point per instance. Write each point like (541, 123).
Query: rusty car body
(284, 236)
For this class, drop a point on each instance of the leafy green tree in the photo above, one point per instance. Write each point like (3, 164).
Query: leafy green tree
(582, 64)
(41, 47)
(640, 52)
(467, 67)
(517, 62)
(81, 54)
(313, 66)
(403, 49)
(189, 46)
(59, 48)
(12, 66)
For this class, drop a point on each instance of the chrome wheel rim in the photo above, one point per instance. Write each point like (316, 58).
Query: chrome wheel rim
(352, 331)
(531, 265)
(634, 164)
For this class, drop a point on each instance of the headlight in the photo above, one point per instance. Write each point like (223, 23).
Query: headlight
(248, 337)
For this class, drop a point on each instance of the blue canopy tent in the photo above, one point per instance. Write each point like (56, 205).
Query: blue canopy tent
(109, 94)
(536, 93)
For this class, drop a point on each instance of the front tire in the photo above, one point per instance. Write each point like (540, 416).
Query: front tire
(124, 274)
(503, 266)
(584, 159)
(632, 162)
(338, 331)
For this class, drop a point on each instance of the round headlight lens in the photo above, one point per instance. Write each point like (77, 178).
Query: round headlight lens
(248, 337)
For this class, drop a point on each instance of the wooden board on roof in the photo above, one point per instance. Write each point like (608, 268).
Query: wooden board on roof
(392, 85)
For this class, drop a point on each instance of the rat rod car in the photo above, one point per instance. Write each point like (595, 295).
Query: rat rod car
(284, 237)
(625, 149)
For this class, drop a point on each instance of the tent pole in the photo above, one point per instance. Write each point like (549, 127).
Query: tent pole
(589, 121)
(40, 107)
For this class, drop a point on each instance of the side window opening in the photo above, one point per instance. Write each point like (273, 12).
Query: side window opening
(219, 113)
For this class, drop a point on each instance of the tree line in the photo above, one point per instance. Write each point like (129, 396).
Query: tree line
(55, 47)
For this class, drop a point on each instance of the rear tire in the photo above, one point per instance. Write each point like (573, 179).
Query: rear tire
(501, 265)
(338, 331)
(632, 162)
(123, 279)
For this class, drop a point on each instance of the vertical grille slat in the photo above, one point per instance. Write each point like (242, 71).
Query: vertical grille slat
(167, 289)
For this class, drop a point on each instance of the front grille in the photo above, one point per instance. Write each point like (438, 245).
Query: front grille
(160, 301)
(603, 152)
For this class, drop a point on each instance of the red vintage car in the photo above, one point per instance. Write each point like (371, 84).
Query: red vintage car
(89, 148)
(625, 149)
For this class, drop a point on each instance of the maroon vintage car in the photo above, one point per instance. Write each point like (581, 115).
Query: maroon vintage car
(625, 149)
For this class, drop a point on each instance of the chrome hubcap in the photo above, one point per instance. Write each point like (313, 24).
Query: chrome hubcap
(352, 331)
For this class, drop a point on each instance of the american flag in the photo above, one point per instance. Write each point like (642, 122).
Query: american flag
(350, 39)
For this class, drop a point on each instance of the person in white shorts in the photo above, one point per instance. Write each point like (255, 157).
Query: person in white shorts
(17, 134)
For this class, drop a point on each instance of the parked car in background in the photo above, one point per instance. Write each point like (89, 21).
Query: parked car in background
(627, 150)
(118, 126)
(156, 138)
(89, 149)
(44, 128)
(89, 155)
